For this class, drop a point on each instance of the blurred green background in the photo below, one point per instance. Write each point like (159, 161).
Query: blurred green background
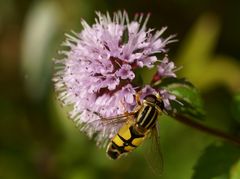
(37, 140)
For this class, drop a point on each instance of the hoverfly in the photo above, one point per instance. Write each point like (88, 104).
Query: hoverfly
(139, 124)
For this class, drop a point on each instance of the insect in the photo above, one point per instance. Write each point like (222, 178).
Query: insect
(138, 126)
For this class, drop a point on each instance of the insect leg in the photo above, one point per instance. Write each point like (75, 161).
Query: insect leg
(137, 97)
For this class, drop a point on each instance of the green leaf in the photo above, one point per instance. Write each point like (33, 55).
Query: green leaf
(138, 80)
(189, 102)
(215, 161)
(236, 108)
(235, 171)
(39, 33)
(200, 64)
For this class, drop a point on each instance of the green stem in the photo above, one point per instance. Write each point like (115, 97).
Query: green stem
(209, 130)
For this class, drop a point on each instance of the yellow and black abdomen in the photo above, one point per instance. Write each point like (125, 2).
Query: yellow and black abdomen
(125, 141)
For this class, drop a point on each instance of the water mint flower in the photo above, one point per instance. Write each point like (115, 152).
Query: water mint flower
(166, 68)
(96, 75)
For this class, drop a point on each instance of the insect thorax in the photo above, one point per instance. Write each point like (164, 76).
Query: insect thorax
(147, 117)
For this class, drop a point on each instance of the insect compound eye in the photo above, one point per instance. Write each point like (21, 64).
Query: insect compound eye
(160, 104)
(150, 98)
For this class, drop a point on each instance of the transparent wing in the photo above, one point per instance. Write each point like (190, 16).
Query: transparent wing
(115, 120)
(153, 152)
(109, 126)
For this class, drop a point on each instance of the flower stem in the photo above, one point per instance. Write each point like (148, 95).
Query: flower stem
(209, 130)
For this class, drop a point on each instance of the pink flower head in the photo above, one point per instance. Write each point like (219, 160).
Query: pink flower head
(96, 76)
(166, 68)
